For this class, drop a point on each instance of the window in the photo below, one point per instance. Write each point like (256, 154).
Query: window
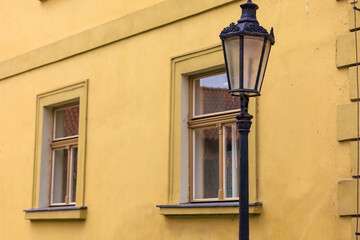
(60, 147)
(214, 139)
(193, 127)
(64, 148)
(188, 119)
(184, 119)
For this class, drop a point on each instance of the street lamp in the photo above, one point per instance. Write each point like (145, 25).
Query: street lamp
(246, 47)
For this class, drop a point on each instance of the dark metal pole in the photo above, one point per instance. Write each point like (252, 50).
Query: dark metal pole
(243, 124)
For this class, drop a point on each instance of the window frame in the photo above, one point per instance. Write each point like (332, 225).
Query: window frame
(69, 143)
(45, 105)
(217, 120)
(182, 68)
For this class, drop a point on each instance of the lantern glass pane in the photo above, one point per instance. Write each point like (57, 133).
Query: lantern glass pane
(264, 63)
(252, 54)
(232, 46)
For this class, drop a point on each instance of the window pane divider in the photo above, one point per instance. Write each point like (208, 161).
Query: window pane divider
(214, 114)
(65, 138)
(229, 118)
(221, 162)
(65, 143)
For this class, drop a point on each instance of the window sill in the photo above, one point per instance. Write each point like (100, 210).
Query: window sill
(56, 213)
(225, 208)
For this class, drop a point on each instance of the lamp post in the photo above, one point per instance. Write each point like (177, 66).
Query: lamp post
(246, 47)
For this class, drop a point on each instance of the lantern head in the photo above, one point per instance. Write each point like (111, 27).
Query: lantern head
(246, 47)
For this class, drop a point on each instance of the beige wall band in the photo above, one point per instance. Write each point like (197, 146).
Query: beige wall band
(124, 27)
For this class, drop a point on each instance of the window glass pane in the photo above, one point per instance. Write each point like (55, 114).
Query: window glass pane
(231, 161)
(73, 174)
(211, 95)
(206, 163)
(59, 184)
(67, 122)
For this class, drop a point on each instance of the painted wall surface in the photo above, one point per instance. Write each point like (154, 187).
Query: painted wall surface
(300, 159)
(32, 24)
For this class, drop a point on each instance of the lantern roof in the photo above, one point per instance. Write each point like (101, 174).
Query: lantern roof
(247, 24)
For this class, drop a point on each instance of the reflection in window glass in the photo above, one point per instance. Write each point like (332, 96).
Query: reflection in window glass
(211, 95)
(231, 161)
(206, 163)
(60, 166)
(67, 122)
(73, 174)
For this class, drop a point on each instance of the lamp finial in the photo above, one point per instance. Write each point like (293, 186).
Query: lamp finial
(248, 12)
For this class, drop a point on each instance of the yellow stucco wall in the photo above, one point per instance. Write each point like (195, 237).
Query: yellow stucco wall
(299, 158)
(43, 22)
